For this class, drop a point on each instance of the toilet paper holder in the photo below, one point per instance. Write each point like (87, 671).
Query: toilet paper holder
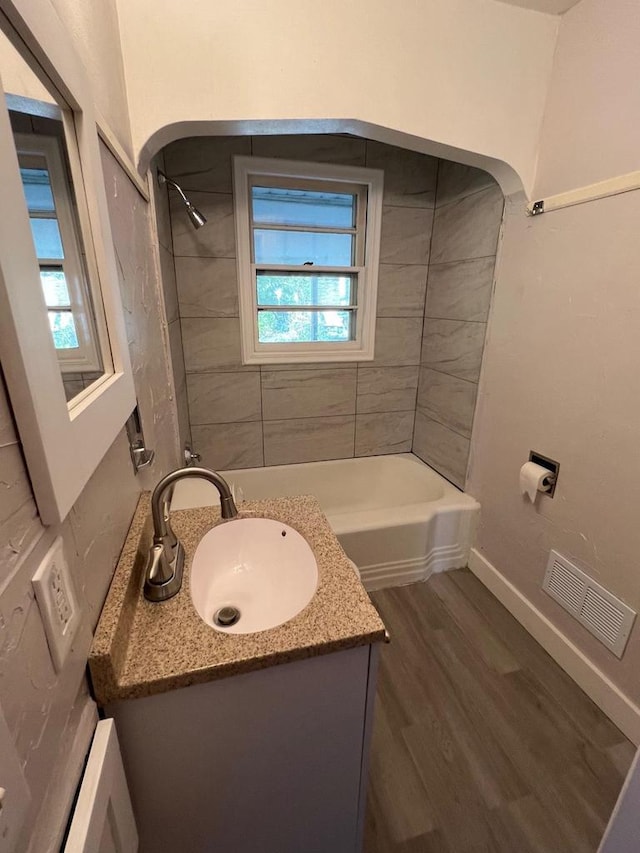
(552, 466)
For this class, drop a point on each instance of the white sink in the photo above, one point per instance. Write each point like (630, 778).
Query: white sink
(262, 568)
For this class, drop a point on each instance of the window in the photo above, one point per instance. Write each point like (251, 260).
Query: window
(53, 229)
(308, 238)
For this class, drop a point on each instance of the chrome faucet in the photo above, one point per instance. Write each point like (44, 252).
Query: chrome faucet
(163, 574)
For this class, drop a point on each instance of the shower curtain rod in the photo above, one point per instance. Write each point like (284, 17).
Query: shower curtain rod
(593, 192)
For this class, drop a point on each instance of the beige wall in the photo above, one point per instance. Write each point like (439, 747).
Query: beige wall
(591, 129)
(562, 362)
(470, 74)
(560, 374)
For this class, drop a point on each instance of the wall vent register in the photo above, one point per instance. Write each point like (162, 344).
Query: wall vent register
(605, 616)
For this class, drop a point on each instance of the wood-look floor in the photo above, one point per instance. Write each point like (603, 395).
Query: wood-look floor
(481, 742)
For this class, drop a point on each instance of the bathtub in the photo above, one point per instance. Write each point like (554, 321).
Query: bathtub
(396, 518)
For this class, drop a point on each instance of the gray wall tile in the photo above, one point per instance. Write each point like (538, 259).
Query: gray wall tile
(308, 439)
(220, 398)
(386, 389)
(205, 162)
(456, 181)
(163, 217)
(467, 228)
(308, 410)
(8, 433)
(406, 235)
(441, 447)
(308, 393)
(389, 432)
(169, 290)
(460, 290)
(207, 287)
(401, 290)
(216, 239)
(454, 346)
(314, 148)
(180, 381)
(177, 354)
(447, 399)
(397, 341)
(212, 343)
(184, 424)
(224, 446)
(409, 177)
(312, 365)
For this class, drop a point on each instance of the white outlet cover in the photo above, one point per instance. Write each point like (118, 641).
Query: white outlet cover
(17, 796)
(58, 602)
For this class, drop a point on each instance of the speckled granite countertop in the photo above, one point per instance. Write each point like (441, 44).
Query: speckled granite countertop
(140, 648)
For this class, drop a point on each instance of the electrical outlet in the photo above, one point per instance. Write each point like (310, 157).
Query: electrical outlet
(58, 603)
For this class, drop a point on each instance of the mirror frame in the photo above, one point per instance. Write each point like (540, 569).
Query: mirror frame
(63, 444)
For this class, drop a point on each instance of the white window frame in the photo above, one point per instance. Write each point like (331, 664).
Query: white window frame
(84, 358)
(367, 185)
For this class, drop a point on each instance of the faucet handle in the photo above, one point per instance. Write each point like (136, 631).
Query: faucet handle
(170, 539)
(155, 565)
(190, 456)
(163, 579)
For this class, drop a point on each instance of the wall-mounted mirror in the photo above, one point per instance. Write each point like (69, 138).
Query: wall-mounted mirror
(62, 338)
(41, 123)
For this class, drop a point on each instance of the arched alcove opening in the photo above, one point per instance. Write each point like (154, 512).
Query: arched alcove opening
(441, 216)
(504, 174)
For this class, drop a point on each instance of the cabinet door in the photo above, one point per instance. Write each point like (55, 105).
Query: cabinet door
(103, 820)
(623, 831)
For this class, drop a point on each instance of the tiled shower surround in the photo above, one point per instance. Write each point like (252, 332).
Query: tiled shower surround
(439, 236)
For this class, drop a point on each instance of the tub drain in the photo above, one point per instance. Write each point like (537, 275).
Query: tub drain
(226, 616)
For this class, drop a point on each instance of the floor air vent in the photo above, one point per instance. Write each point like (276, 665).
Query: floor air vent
(608, 618)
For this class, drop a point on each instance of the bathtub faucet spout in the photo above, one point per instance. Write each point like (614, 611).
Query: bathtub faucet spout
(163, 575)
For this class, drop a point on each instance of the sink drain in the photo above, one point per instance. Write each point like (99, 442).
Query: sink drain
(226, 616)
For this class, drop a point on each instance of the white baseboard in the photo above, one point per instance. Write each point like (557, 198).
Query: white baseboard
(609, 698)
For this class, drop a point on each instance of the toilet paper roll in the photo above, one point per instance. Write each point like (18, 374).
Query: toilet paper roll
(533, 479)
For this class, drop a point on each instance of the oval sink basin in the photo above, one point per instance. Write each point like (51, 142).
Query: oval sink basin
(252, 574)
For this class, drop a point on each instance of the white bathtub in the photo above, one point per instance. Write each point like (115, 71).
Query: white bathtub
(396, 518)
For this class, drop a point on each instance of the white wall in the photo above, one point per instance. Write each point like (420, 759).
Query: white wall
(562, 362)
(95, 31)
(469, 74)
(591, 127)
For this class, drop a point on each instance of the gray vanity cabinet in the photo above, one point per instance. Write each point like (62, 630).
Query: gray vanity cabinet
(270, 761)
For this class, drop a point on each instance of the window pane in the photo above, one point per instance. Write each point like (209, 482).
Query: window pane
(46, 237)
(55, 287)
(63, 330)
(300, 247)
(303, 326)
(296, 289)
(301, 207)
(37, 190)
